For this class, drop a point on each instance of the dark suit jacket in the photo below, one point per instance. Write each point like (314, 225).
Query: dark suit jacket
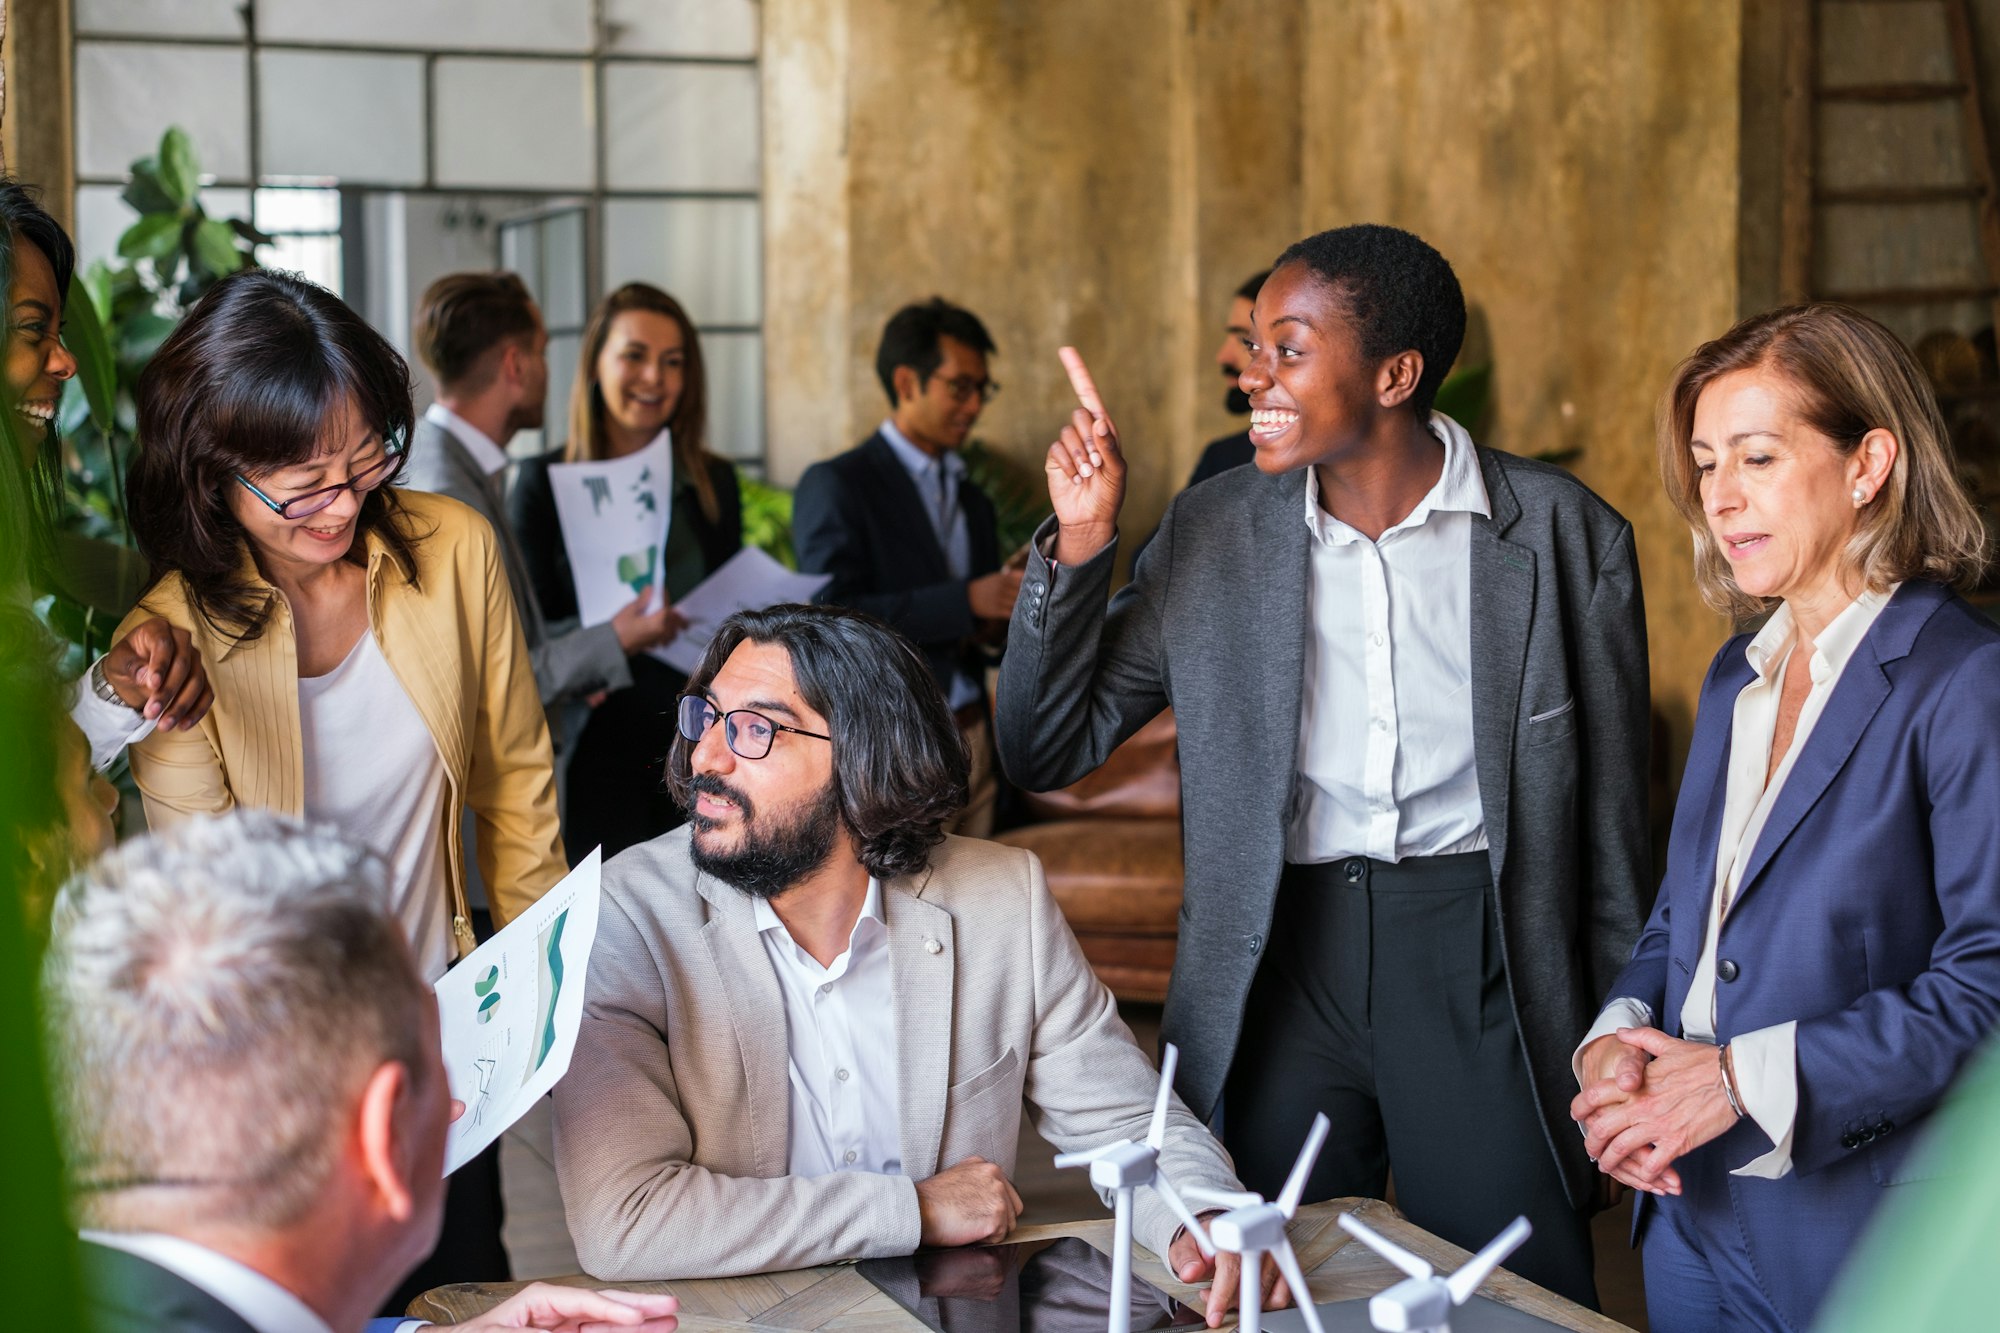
(1869, 913)
(1214, 623)
(126, 1294)
(858, 517)
(1230, 451)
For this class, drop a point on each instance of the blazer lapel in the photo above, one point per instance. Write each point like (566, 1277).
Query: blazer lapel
(1282, 545)
(1503, 609)
(907, 512)
(1863, 689)
(922, 952)
(757, 1012)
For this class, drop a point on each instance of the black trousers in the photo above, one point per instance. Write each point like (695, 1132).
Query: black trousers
(1382, 1001)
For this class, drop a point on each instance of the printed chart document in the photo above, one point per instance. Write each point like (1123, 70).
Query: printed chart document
(750, 580)
(511, 1008)
(614, 524)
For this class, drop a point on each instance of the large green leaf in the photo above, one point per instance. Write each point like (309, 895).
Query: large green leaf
(83, 334)
(215, 247)
(180, 176)
(105, 577)
(144, 193)
(140, 337)
(154, 236)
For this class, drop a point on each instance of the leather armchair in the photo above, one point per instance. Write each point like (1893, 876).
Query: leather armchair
(1111, 846)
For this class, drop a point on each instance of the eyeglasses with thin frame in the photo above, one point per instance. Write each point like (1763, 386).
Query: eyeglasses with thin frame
(305, 506)
(747, 732)
(966, 387)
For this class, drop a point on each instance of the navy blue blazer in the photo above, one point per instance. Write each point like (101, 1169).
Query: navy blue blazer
(1869, 913)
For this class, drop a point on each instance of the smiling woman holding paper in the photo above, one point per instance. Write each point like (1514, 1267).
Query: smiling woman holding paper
(639, 376)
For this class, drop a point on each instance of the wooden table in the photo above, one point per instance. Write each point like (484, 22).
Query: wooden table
(837, 1297)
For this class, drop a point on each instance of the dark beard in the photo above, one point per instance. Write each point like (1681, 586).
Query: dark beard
(1237, 401)
(774, 859)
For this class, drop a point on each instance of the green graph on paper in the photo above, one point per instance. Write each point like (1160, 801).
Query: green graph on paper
(635, 569)
(548, 986)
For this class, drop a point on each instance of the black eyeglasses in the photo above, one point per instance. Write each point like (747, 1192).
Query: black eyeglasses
(966, 387)
(367, 479)
(748, 733)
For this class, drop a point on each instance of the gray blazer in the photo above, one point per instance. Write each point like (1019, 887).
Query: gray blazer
(1214, 624)
(672, 1127)
(567, 665)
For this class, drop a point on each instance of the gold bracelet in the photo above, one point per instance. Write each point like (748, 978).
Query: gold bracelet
(1726, 1065)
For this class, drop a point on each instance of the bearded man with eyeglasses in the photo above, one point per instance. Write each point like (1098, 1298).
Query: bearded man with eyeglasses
(908, 536)
(815, 1019)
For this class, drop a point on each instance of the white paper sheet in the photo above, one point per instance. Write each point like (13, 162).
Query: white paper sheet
(614, 518)
(750, 580)
(510, 1011)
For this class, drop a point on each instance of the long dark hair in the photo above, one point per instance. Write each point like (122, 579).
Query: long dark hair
(244, 386)
(899, 764)
(23, 221)
(689, 423)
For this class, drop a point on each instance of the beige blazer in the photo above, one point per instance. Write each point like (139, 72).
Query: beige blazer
(672, 1127)
(455, 645)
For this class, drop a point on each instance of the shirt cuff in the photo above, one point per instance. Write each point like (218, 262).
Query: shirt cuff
(411, 1325)
(1767, 1083)
(109, 727)
(1623, 1012)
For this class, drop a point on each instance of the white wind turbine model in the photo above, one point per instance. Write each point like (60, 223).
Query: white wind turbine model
(1423, 1302)
(1253, 1229)
(1125, 1167)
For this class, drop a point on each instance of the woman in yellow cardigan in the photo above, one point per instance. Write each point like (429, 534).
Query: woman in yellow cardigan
(368, 668)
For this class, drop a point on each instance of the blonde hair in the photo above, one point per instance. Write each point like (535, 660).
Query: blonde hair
(1849, 375)
(689, 423)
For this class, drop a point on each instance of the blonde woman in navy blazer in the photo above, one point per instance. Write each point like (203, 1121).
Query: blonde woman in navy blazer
(1761, 1079)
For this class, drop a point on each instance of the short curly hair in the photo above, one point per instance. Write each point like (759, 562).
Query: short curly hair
(900, 769)
(1397, 291)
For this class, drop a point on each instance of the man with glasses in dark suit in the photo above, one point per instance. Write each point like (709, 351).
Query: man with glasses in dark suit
(911, 539)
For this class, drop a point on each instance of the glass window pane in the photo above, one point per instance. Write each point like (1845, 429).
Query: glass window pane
(522, 123)
(128, 93)
(707, 252)
(564, 349)
(682, 27)
(298, 210)
(735, 364)
(161, 18)
(314, 258)
(680, 127)
(102, 217)
(352, 117)
(546, 249)
(451, 25)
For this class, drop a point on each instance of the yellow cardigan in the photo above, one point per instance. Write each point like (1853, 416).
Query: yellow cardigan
(455, 644)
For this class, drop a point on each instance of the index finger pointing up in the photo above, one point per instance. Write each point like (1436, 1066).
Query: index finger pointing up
(1079, 380)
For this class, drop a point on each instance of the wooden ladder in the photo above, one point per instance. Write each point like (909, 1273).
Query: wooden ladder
(1803, 197)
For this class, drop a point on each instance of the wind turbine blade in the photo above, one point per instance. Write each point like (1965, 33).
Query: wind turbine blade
(1084, 1158)
(1223, 1198)
(1295, 1185)
(1412, 1264)
(1156, 1136)
(1165, 1189)
(1295, 1278)
(1480, 1266)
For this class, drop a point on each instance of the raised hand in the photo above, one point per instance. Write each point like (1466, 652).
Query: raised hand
(1086, 471)
(157, 670)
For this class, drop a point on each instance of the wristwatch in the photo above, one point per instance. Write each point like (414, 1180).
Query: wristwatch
(102, 687)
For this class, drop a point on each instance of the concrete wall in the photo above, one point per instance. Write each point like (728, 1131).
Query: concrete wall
(1104, 173)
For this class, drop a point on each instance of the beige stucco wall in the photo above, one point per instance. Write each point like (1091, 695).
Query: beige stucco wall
(1104, 172)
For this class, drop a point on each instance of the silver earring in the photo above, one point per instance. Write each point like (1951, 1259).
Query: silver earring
(1859, 496)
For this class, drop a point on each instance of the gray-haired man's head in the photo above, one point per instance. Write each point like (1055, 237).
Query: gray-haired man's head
(222, 997)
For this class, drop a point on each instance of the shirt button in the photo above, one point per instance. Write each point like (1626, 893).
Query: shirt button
(840, 1074)
(851, 1155)
(1376, 639)
(1727, 970)
(1381, 723)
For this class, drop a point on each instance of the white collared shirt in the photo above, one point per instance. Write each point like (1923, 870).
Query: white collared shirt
(490, 457)
(107, 726)
(1765, 1061)
(841, 1033)
(1385, 761)
(263, 1304)
(937, 481)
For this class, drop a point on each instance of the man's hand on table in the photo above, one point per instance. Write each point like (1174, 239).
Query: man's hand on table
(1189, 1264)
(972, 1203)
(578, 1310)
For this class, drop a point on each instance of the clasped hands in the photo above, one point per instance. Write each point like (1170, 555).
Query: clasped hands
(1648, 1100)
